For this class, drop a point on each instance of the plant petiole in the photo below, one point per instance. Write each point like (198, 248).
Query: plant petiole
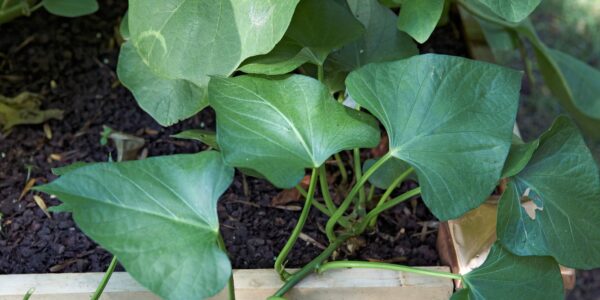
(230, 284)
(105, 279)
(325, 190)
(348, 200)
(385, 266)
(340, 164)
(298, 228)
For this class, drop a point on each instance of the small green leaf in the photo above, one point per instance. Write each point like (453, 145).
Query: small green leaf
(419, 18)
(205, 136)
(166, 100)
(575, 84)
(504, 275)
(518, 157)
(322, 26)
(317, 28)
(158, 215)
(124, 27)
(280, 127)
(71, 8)
(583, 83)
(562, 181)
(284, 58)
(450, 118)
(380, 42)
(387, 173)
(512, 10)
(66, 169)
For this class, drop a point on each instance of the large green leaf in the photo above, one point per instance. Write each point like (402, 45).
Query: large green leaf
(504, 275)
(450, 118)
(380, 42)
(512, 10)
(317, 28)
(158, 216)
(281, 127)
(575, 84)
(420, 17)
(190, 39)
(166, 100)
(180, 43)
(71, 8)
(562, 181)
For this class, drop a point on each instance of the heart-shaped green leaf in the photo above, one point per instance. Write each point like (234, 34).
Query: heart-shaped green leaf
(561, 179)
(317, 28)
(166, 100)
(179, 43)
(71, 8)
(380, 42)
(281, 127)
(512, 10)
(450, 118)
(504, 275)
(158, 216)
(190, 39)
(420, 17)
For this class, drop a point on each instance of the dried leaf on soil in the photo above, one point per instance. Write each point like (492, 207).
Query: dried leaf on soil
(25, 109)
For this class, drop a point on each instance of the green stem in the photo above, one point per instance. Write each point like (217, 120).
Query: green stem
(298, 229)
(387, 205)
(316, 263)
(230, 284)
(390, 189)
(325, 189)
(105, 279)
(312, 266)
(385, 266)
(348, 200)
(340, 164)
(301, 190)
(484, 16)
(320, 73)
(323, 209)
(13, 12)
(360, 204)
(526, 62)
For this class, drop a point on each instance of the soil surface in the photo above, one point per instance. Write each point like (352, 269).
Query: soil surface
(71, 63)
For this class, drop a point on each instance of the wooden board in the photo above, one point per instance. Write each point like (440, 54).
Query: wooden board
(347, 284)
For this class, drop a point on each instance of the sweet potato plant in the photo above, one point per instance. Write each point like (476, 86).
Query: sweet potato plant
(296, 83)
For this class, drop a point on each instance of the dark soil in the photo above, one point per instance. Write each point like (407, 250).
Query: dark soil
(71, 62)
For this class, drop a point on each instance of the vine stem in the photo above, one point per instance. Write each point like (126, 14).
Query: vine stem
(105, 279)
(348, 200)
(385, 266)
(387, 205)
(312, 266)
(340, 164)
(316, 263)
(325, 189)
(298, 228)
(230, 284)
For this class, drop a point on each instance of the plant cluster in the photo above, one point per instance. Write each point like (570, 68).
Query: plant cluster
(11, 9)
(299, 82)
